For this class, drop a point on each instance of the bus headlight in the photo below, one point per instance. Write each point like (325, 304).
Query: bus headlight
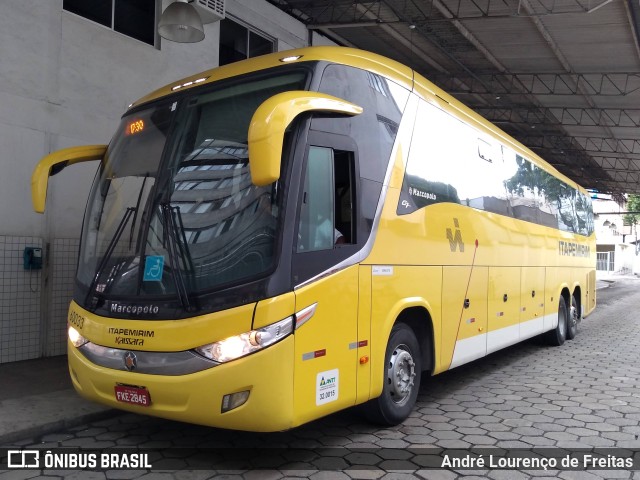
(76, 339)
(248, 342)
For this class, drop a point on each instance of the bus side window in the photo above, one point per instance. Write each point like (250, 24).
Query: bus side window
(326, 213)
(344, 194)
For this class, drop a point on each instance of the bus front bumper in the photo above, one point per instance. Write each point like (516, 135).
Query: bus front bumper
(198, 397)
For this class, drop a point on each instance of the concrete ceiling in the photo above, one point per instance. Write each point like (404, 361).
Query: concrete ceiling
(561, 76)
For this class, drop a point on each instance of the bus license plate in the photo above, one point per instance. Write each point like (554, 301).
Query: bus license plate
(133, 395)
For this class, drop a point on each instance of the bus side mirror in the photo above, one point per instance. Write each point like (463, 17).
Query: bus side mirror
(56, 162)
(271, 119)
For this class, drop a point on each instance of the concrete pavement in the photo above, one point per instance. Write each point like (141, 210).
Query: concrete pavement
(36, 397)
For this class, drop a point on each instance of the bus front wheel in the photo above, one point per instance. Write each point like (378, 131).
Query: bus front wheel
(558, 335)
(402, 369)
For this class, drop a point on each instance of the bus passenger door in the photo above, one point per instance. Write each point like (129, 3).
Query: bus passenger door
(504, 308)
(532, 311)
(326, 346)
(326, 343)
(464, 314)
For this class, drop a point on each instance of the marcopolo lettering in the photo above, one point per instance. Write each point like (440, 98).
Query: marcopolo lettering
(134, 309)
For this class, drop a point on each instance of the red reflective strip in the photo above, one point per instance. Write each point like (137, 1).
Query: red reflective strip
(363, 343)
(319, 353)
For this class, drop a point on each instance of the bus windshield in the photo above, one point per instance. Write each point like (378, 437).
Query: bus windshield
(172, 210)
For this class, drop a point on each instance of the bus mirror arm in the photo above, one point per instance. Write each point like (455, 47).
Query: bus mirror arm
(271, 119)
(54, 163)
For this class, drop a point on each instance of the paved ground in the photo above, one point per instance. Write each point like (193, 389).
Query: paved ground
(584, 394)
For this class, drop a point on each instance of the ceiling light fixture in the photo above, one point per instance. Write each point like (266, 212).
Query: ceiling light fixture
(180, 22)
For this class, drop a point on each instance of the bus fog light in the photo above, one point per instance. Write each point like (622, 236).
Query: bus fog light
(238, 346)
(234, 400)
(76, 339)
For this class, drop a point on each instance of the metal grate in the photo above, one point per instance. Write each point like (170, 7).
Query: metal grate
(210, 10)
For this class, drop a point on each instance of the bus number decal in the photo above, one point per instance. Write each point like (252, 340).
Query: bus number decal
(327, 386)
(76, 320)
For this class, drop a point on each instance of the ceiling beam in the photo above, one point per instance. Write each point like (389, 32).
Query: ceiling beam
(601, 84)
(584, 143)
(578, 117)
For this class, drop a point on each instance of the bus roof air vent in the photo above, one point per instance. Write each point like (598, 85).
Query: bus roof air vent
(210, 10)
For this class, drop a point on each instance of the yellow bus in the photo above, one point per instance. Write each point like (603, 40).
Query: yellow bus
(274, 240)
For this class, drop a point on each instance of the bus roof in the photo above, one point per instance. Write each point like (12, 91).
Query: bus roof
(399, 73)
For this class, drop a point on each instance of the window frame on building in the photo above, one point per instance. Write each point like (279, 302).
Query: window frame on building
(84, 9)
(249, 32)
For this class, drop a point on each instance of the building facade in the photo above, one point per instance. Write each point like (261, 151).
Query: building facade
(65, 79)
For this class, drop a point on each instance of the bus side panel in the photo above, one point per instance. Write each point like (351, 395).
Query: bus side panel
(394, 289)
(590, 297)
(503, 322)
(580, 279)
(464, 315)
(532, 287)
(325, 358)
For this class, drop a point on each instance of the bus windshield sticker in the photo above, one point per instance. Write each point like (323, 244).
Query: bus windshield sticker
(327, 386)
(153, 268)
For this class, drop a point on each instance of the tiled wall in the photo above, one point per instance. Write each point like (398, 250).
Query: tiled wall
(64, 258)
(33, 319)
(20, 297)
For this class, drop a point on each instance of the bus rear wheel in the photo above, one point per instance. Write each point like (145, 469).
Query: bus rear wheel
(574, 319)
(558, 335)
(402, 369)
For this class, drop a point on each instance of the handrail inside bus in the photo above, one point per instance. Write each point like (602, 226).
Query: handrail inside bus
(271, 119)
(54, 163)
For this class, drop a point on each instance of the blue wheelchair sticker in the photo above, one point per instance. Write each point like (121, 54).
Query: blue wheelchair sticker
(153, 267)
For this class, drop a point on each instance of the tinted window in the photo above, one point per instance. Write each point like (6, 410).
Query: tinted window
(374, 130)
(317, 225)
(449, 161)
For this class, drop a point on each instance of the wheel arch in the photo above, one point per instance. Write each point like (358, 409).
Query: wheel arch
(417, 314)
(577, 293)
(566, 294)
(420, 321)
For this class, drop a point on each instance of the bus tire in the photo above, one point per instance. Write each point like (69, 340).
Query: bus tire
(558, 335)
(402, 369)
(573, 319)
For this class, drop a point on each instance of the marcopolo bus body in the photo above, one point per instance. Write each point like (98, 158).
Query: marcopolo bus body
(284, 237)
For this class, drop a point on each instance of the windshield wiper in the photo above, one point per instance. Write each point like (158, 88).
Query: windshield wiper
(107, 254)
(176, 249)
(133, 224)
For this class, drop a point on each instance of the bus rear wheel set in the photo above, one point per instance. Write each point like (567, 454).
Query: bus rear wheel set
(568, 319)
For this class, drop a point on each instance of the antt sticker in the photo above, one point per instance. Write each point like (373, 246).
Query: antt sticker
(327, 386)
